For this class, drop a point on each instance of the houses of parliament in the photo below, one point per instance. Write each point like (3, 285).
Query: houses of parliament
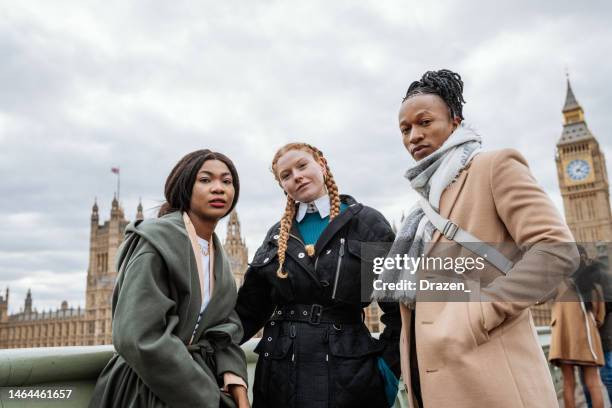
(583, 182)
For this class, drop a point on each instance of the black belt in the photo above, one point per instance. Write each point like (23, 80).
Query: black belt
(315, 314)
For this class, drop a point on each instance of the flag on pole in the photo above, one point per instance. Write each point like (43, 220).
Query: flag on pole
(115, 170)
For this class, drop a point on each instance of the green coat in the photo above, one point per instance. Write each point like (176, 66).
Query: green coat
(156, 303)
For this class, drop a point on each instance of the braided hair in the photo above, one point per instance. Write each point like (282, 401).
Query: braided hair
(444, 83)
(287, 219)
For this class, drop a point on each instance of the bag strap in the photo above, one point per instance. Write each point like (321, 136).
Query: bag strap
(453, 232)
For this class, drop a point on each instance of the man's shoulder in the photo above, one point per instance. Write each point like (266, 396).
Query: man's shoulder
(487, 161)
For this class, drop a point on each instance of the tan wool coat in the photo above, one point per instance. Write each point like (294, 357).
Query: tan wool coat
(575, 334)
(486, 353)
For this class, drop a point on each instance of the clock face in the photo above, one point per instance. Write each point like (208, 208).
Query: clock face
(578, 169)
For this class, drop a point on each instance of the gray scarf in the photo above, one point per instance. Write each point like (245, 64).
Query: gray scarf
(429, 177)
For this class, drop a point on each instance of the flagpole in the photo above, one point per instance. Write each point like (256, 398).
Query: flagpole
(117, 171)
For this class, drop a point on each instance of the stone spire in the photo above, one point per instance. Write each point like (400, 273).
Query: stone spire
(94, 212)
(4, 307)
(570, 99)
(139, 214)
(235, 248)
(28, 302)
(233, 229)
(574, 124)
(116, 210)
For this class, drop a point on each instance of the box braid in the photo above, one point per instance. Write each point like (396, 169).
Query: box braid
(444, 83)
(287, 219)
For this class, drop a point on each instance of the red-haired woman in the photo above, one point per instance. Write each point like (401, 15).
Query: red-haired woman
(316, 350)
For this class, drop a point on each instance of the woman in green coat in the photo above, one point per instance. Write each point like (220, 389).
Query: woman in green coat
(174, 325)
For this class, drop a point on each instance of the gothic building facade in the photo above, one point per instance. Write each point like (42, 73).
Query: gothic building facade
(92, 324)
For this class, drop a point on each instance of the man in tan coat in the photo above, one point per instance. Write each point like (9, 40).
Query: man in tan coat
(484, 352)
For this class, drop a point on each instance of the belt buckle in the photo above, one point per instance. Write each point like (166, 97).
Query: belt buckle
(450, 229)
(315, 313)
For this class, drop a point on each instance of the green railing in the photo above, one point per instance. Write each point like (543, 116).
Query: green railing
(40, 377)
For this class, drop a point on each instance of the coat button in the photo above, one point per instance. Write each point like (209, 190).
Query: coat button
(292, 312)
(301, 255)
(275, 237)
(266, 260)
(272, 323)
(280, 312)
(266, 354)
(269, 338)
(328, 252)
(305, 313)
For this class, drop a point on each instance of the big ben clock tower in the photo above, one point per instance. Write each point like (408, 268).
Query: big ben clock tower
(583, 180)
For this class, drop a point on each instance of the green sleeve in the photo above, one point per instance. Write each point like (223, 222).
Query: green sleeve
(232, 359)
(143, 323)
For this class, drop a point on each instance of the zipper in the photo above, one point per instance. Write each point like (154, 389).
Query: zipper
(340, 255)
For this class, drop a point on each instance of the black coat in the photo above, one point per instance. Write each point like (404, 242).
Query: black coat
(311, 364)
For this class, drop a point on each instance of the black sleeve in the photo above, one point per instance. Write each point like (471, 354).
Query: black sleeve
(391, 335)
(606, 283)
(254, 305)
(381, 231)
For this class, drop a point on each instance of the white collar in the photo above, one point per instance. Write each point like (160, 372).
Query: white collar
(322, 204)
(203, 245)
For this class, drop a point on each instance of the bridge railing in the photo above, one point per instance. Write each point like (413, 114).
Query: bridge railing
(74, 371)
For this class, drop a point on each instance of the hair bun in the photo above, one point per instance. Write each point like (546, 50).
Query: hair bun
(444, 83)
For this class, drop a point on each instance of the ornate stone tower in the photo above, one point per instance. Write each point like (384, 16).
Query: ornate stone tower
(583, 179)
(139, 213)
(28, 303)
(236, 249)
(4, 307)
(4, 318)
(104, 242)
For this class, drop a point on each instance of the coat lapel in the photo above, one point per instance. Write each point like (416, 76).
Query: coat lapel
(334, 226)
(295, 247)
(449, 198)
(219, 306)
(195, 271)
(223, 297)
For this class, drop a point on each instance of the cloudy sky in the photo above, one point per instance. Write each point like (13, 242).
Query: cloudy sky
(88, 85)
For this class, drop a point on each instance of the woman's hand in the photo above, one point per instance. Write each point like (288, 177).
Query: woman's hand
(239, 394)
